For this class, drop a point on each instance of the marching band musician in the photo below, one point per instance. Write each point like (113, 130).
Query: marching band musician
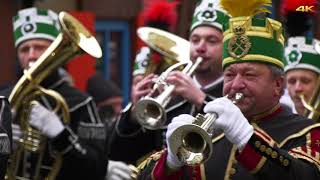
(302, 69)
(5, 135)
(190, 93)
(82, 142)
(260, 140)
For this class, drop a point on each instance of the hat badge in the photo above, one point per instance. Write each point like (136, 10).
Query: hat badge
(208, 14)
(28, 27)
(294, 57)
(239, 45)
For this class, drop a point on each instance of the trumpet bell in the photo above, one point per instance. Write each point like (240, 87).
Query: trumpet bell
(150, 114)
(80, 35)
(192, 144)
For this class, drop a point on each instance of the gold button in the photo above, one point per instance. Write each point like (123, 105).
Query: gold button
(274, 154)
(281, 158)
(257, 144)
(269, 151)
(262, 148)
(233, 171)
(285, 162)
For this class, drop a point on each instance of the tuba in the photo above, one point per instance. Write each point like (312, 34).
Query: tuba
(150, 110)
(73, 40)
(192, 143)
(312, 108)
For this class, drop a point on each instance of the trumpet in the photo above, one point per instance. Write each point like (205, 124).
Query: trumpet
(192, 142)
(150, 110)
(312, 107)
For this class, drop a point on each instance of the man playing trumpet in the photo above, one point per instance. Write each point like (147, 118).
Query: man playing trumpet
(302, 68)
(260, 139)
(190, 93)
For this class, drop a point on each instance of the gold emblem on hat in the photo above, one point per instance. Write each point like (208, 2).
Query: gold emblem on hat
(239, 45)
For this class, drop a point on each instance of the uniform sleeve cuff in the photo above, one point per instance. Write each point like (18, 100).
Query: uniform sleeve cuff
(252, 157)
(159, 171)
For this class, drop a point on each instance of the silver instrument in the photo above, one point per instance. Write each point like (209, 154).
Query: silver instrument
(150, 110)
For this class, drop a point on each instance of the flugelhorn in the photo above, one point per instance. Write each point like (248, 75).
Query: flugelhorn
(150, 110)
(192, 143)
(73, 40)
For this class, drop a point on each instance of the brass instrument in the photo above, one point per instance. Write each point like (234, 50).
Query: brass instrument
(73, 40)
(312, 108)
(192, 143)
(150, 110)
(168, 45)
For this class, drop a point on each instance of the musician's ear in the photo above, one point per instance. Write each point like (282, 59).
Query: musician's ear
(279, 84)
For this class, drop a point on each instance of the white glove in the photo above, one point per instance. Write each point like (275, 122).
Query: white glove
(118, 170)
(172, 159)
(230, 119)
(46, 121)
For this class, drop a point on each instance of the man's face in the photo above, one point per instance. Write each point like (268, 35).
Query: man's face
(31, 50)
(206, 42)
(261, 91)
(301, 81)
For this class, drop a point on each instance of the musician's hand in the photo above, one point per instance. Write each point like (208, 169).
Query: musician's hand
(46, 121)
(172, 159)
(118, 170)
(185, 87)
(142, 88)
(230, 119)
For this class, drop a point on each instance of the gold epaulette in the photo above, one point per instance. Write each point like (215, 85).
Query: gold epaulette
(153, 157)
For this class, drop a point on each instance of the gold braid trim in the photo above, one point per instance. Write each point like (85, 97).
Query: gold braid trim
(153, 157)
(298, 153)
(299, 134)
(303, 132)
(259, 165)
